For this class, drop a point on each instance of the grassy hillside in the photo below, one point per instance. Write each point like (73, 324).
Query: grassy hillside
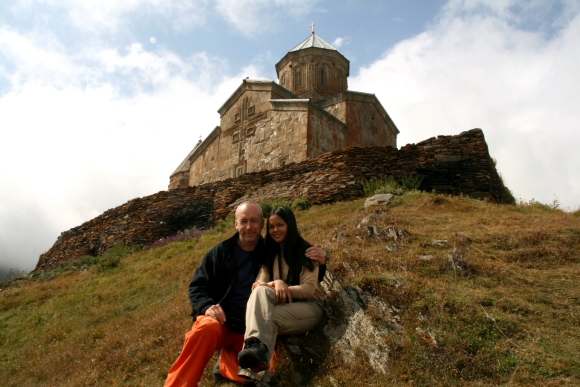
(510, 318)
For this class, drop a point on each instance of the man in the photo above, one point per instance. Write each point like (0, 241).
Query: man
(219, 293)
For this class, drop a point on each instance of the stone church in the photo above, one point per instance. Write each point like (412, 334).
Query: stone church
(310, 111)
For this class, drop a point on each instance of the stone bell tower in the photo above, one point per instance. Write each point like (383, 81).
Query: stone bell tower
(313, 69)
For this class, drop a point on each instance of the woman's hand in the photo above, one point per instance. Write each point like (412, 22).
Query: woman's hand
(260, 283)
(283, 293)
(316, 254)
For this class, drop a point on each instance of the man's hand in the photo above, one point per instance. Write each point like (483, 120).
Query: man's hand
(316, 254)
(216, 312)
(282, 292)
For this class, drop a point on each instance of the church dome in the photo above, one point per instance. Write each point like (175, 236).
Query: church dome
(313, 41)
(314, 69)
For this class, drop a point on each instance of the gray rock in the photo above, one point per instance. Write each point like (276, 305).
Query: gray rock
(353, 331)
(369, 220)
(340, 238)
(457, 261)
(397, 234)
(379, 200)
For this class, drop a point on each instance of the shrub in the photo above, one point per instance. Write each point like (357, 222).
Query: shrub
(390, 185)
(269, 205)
(534, 204)
(411, 182)
(225, 224)
(301, 204)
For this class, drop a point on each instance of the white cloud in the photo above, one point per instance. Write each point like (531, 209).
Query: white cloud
(254, 17)
(72, 148)
(113, 16)
(475, 67)
(338, 42)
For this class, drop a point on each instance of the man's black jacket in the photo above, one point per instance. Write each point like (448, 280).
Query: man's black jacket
(215, 277)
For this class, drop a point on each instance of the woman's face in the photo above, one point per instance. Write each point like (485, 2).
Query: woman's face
(278, 229)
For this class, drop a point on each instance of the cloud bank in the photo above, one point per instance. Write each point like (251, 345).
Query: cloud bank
(479, 65)
(84, 133)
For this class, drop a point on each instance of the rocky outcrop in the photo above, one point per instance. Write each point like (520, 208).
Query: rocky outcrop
(352, 329)
(455, 165)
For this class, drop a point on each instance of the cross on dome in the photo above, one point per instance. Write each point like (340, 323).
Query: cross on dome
(312, 26)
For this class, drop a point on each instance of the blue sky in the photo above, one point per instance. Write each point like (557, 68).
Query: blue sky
(100, 101)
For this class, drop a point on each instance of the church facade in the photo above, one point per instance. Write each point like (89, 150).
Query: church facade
(265, 125)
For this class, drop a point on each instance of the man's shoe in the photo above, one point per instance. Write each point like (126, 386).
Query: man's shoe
(254, 355)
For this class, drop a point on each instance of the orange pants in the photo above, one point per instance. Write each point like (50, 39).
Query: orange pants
(206, 336)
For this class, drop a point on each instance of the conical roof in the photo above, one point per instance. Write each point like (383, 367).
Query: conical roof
(313, 41)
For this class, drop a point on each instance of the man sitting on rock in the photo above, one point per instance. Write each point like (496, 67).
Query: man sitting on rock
(219, 293)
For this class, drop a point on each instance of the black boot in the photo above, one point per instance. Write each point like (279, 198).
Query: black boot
(254, 355)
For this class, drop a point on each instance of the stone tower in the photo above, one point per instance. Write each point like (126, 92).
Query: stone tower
(313, 69)
(265, 125)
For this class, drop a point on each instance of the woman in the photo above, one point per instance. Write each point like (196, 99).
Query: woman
(285, 299)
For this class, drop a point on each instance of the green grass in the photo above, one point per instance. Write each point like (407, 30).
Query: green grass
(120, 319)
(390, 185)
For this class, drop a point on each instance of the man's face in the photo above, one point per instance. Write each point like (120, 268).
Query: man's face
(249, 222)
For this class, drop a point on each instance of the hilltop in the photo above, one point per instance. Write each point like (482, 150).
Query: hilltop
(503, 310)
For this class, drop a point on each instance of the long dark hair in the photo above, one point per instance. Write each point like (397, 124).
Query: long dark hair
(294, 247)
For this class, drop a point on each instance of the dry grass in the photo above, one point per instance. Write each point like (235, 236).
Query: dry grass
(510, 319)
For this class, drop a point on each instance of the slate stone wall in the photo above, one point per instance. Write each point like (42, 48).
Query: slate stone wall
(454, 165)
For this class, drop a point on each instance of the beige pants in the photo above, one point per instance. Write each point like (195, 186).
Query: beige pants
(266, 319)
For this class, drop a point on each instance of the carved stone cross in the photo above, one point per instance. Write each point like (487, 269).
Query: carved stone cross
(312, 26)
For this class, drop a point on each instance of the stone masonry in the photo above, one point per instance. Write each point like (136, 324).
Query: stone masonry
(453, 165)
(265, 125)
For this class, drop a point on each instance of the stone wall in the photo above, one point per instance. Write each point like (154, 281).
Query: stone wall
(368, 122)
(325, 132)
(455, 165)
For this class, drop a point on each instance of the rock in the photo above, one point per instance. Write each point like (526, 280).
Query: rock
(379, 200)
(392, 248)
(340, 238)
(368, 232)
(369, 220)
(439, 242)
(397, 234)
(351, 330)
(425, 257)
(457, 261)
(462, 239)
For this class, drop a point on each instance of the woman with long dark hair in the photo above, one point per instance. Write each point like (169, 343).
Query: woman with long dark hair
(285, 299)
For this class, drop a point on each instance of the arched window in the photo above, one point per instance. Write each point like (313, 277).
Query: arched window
(322, 73)
(283, 83)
